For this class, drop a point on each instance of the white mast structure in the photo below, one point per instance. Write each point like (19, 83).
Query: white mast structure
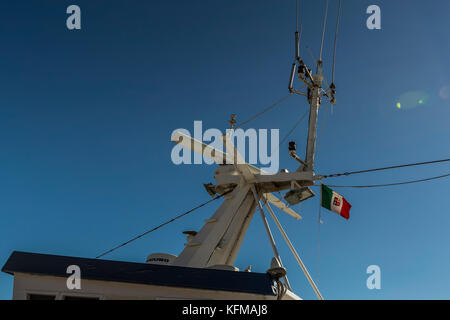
(219, 240)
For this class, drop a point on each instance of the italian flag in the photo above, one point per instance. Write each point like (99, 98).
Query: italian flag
(333, 201)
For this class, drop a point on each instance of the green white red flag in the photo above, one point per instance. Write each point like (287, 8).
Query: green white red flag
(333, 201)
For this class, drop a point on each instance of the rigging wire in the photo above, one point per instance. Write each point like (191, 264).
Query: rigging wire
(320, 204)
(264, 111)
(384, 168)
(391, 184)
(161, 225)
(298, 36)
(318, 236)
(293, 128)
(322, 124)
(335, 40)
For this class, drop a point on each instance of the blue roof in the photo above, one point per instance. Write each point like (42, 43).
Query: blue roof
(141, 273)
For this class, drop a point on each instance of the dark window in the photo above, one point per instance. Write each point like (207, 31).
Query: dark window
(80, 298)
(41, 297)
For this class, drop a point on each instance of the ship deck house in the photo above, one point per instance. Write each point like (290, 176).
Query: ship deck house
(44, 277)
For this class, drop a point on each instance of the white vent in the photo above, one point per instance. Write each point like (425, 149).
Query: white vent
(225, 267)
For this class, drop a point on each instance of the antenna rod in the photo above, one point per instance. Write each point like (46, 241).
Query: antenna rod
(297, 46)
(335, 40)
(291, 78)
(297, 50)
(319, 62)
(297, 34)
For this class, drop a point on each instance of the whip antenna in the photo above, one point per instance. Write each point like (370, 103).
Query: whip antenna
(297, 34)
(335, 42)
(319, 62)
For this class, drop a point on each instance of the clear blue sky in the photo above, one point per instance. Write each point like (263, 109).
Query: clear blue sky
(86, 118)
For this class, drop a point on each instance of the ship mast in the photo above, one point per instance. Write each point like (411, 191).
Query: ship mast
(315, 90)
(244, 186)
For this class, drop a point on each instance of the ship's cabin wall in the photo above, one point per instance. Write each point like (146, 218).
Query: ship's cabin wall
(28, 286)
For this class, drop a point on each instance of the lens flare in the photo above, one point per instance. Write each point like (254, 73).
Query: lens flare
(412, 99)
(444, 93)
